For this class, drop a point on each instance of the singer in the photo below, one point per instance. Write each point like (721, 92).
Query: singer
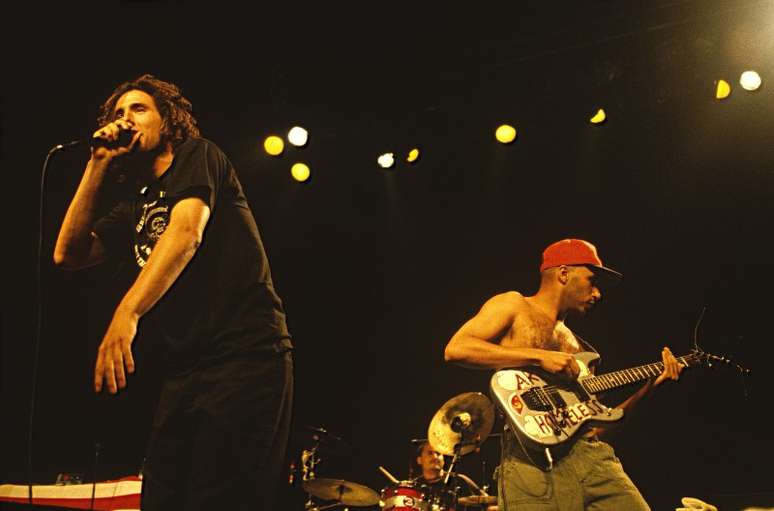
(203, 280)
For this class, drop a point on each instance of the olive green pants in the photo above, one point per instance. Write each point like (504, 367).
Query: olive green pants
(589, 477)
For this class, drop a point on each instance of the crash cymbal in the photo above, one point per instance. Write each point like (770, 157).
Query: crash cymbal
(465, 419)
(346, 492)
(478, 500)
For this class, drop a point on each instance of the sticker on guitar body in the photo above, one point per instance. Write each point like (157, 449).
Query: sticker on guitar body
(542, 425)
(518, 380)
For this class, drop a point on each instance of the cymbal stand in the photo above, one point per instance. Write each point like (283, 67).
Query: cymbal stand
(309, 460)
(460, 424)
(484, 484)
(309, 506)
(455, 459)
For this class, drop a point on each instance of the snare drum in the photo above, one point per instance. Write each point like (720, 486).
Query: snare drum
(403, 496)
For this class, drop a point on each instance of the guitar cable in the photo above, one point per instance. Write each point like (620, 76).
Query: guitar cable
(524, 449)
(696, 329)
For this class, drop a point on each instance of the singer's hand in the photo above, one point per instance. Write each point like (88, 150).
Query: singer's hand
(115, 352)
(110, 133)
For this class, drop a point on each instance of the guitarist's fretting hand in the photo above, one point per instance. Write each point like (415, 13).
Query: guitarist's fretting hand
(672, 368)
(560, 363)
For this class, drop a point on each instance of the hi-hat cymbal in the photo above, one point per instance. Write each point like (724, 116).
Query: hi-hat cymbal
(346, 492)
(466, 419)
(477, 500)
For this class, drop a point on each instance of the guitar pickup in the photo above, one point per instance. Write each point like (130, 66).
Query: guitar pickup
(539, 400)
(556, 398)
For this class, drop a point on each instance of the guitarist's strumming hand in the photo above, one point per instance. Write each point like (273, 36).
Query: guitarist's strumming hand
(672, 367)
(560, 363)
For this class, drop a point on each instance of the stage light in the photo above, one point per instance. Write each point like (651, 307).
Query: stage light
(386, 161)
(300, 172)
(599, 117)
(505, 134)
(723, 89)
(750, 80)
(413, 155)
(298, 136)
(273, 145)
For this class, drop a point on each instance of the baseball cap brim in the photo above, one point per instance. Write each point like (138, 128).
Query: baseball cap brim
(607, 277)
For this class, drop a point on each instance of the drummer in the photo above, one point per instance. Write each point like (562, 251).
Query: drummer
(431, 479)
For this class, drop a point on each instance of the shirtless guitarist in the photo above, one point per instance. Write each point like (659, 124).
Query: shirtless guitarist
(511, 331)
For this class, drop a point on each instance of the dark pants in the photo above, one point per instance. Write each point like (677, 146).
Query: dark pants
(219, 436)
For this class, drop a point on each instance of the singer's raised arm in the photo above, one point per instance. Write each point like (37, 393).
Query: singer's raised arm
(77, 246)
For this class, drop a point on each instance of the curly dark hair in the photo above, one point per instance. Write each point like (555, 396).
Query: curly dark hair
(175, 109)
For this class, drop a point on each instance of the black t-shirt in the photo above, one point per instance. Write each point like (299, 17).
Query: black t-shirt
(224, 301)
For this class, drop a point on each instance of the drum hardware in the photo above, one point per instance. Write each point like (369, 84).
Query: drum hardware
(478, 500)
(461, 424)
(341, 492)
(459, 427)
(309, 506)
(310, 460)
(313, 441)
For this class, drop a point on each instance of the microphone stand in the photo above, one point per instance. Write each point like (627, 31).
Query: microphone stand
(38, 316)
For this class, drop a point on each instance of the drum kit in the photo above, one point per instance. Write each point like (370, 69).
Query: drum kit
(458, 428)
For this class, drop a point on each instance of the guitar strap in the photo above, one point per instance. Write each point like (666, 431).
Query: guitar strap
(585, 344)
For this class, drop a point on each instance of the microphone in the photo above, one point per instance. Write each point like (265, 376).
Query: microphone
(124, 139)
(461, 422)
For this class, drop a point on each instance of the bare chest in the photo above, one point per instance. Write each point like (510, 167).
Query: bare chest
(534, 331)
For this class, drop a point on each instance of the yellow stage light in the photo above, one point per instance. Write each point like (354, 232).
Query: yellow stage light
(300, 172)
(599, 117)
(505, 134)
(413, 155)
(750, 80)
(723, 89)
(273, 145)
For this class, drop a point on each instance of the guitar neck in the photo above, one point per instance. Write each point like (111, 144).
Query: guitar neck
(629, 376)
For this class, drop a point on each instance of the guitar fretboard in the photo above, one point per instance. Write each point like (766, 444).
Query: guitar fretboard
(623, 377)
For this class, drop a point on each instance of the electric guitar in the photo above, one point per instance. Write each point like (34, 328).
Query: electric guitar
(546, 411)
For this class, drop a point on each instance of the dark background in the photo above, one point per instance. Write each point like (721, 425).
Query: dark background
(378, 268)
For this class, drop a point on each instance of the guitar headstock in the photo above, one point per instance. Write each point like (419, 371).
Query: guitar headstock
(708, 358)
(699, 356)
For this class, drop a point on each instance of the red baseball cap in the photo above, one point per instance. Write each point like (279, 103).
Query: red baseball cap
(573, 252)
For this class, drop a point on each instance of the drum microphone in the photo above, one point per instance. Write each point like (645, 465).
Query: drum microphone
(461, 422)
